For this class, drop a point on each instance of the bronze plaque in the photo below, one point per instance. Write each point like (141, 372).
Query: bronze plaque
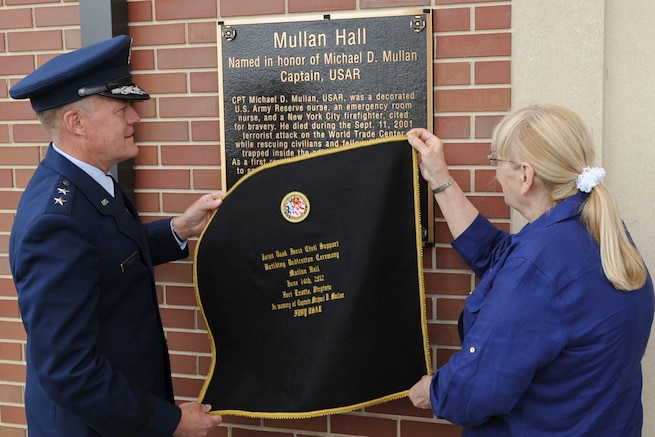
(294, 87)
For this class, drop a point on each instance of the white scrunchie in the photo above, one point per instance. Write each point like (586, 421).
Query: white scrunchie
(589, 178)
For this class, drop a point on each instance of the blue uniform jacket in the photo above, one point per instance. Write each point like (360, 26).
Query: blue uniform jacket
(97, 361)
(550, 347)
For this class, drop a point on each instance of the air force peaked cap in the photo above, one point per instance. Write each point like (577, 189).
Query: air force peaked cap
(101, 68)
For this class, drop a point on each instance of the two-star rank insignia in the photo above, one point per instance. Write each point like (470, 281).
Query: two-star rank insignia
(63, 191)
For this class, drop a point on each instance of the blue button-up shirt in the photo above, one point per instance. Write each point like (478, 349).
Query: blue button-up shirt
(549, 347)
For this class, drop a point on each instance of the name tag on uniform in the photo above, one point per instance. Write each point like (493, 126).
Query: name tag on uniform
(129, 261)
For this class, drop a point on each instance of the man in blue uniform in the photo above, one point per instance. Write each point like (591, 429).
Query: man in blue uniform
(82, 262)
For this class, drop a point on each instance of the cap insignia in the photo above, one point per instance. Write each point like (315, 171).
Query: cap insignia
(128, 90)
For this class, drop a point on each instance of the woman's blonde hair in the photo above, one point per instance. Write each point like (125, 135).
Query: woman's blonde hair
(558, 145)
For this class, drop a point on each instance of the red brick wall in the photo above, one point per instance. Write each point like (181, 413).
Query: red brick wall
(175, 59)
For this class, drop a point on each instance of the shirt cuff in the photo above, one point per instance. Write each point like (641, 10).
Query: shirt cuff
(181, 243)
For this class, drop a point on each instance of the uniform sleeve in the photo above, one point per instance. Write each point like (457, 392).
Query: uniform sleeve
(162, 243)
(519, 326)
(59, 295)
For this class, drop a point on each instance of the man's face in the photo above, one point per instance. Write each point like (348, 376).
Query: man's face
(109, 131)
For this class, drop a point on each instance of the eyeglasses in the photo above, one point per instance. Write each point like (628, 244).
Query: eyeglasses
(494, 159)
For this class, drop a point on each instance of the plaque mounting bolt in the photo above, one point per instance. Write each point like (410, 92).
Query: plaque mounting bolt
(417, 23)
(229, 33)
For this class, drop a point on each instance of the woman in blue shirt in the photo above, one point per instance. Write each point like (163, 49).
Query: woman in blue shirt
(553, 335)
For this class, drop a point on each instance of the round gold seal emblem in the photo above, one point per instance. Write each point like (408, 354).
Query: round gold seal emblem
(295, 207)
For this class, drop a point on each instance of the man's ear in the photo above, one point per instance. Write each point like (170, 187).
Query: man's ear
(73, 121)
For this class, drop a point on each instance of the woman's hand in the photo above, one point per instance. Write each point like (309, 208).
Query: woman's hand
(419, 394)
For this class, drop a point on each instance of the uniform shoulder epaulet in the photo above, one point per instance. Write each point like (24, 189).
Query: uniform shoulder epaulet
(61, 199)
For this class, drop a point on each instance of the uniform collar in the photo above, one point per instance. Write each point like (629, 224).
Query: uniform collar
(76, 176)
(96, 174)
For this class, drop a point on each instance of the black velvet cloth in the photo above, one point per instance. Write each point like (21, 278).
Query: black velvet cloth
(325, 313)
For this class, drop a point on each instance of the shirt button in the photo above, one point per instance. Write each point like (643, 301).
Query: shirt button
(472, 349)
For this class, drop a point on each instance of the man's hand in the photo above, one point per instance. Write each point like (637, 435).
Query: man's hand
(195, 218)
(196, 420)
